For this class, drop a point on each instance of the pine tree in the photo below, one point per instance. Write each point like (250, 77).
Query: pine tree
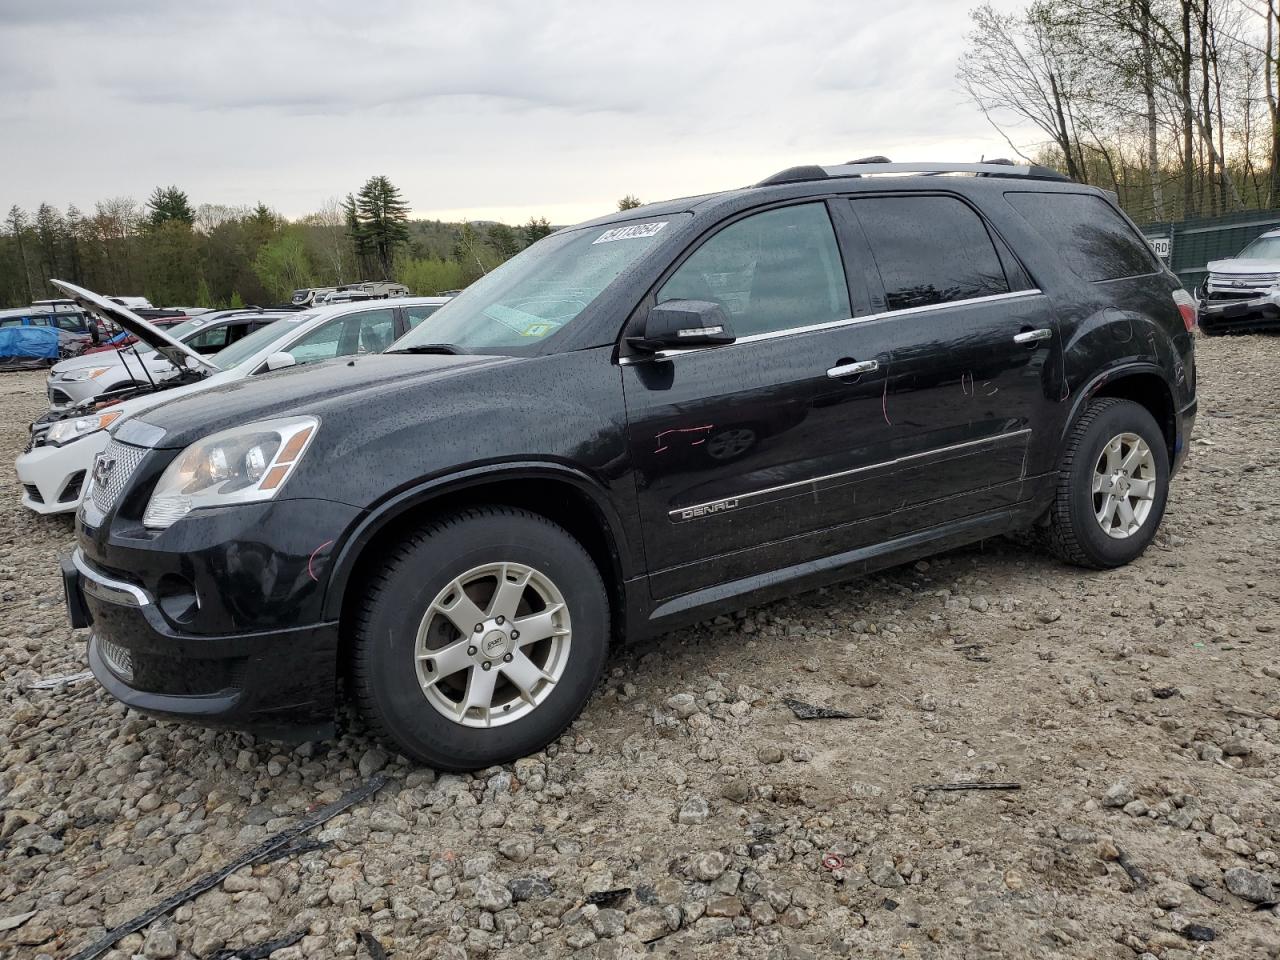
(629, 202)
(536, 229)
(169, 203)
(383, 217)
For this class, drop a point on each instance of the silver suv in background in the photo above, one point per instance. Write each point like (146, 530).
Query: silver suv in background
(1243, 293)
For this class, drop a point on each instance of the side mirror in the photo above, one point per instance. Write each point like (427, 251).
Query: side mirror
(684, 323)
(278, 361)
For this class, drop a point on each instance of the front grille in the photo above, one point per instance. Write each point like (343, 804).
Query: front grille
(1250, 279)
(33, 492)
(1230, 295)
(58, 397)
(107, 485)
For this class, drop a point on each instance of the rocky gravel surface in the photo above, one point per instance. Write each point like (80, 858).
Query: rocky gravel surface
(689, 812)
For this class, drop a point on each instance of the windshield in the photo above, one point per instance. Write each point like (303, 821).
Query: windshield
(1264, 248)
(537, 292)
(254, 343)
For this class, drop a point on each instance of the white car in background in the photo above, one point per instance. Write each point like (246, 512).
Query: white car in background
(64, 445)
(82, 378)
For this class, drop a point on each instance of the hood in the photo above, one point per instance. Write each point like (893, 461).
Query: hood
(177, 353)
(351, 382)
(1237, 267)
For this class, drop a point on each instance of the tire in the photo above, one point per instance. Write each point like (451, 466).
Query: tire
(402, 693)
(1075, 532)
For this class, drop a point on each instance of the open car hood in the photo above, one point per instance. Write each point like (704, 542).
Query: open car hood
(177, 353)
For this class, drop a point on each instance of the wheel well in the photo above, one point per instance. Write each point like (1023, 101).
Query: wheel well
(560, 502)
(1152, 392)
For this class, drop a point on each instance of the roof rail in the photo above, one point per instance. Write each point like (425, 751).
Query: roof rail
(878, 165)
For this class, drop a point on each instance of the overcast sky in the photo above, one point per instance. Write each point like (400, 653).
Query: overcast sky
(484, 110)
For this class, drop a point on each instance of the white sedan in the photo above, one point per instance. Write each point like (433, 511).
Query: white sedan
(62, 451)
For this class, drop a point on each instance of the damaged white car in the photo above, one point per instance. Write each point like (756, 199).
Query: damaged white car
(65, 443)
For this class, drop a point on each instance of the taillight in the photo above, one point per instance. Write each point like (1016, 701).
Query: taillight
(1187, 307)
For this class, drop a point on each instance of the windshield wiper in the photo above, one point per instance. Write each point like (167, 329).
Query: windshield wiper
(450, 349)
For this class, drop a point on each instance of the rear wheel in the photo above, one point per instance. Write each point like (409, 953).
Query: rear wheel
(480, 638)
(1113, 483)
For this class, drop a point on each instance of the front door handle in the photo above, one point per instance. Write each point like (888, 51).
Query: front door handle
(1032, 336)
(853, 369)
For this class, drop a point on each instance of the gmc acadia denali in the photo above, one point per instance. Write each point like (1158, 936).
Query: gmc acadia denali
(667, 413)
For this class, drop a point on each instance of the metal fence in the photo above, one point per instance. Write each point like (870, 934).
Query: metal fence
(1188, 245)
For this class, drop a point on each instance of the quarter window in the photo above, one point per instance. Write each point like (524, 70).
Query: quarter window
(1087, 233)
(416, 314)
(770, 271)
(930, 250)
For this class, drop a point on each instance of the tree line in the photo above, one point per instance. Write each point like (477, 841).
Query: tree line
(1172, 104)
(211, 255)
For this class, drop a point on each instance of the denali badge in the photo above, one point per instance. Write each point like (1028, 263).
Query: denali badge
(703, 509)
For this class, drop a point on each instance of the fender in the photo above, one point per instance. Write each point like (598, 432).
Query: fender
(376, 518)
(1110, 374)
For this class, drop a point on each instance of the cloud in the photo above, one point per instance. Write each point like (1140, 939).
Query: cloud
(563, 104)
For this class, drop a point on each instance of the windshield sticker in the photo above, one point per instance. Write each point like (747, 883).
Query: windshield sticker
(537, 329)
(636, 231)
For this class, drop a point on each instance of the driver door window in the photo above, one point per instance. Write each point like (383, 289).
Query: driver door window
(368, 332)
(770, 271)
(320, 344)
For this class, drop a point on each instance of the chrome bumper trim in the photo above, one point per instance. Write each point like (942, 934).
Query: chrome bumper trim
(108, 588)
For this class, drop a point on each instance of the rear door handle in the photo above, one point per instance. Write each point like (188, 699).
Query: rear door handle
(853, 369)
(1032, 336)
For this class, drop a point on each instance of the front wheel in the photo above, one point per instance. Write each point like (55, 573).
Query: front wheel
(1113, 483)
(480, 639)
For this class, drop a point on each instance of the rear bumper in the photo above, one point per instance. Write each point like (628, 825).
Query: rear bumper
(278, 683)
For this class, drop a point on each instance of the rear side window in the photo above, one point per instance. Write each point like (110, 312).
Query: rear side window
(1087, 233)
(930, 250)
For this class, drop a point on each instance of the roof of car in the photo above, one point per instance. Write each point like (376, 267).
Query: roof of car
(346, 306)
(856, 177)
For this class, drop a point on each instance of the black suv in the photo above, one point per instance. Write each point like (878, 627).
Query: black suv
(642, 421)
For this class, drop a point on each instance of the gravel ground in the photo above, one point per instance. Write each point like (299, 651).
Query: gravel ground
(1139, 709)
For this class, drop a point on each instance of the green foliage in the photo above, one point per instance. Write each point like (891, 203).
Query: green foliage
(629, 202)
(238, 254)
(282, 266)
(171, 263)
(169, 203)
(426, 277)
(203, 297)
(536, 229)
(236, 302)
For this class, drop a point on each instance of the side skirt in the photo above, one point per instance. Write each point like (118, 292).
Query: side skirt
(786, 581)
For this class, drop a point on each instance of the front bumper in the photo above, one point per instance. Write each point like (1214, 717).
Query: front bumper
(278, 683)
(1264, 306)
(67, 393)
(54, 478)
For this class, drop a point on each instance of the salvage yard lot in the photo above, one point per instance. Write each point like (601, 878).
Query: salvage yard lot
(1139, 710)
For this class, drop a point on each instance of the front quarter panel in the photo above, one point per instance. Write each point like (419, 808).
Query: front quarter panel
(562, 409)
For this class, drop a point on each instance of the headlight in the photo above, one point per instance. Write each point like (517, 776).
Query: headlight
(241, 465)
(64, 431)
(77, 376)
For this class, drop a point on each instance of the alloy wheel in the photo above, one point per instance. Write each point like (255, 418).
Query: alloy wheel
(493, 644)
(1124, 485)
